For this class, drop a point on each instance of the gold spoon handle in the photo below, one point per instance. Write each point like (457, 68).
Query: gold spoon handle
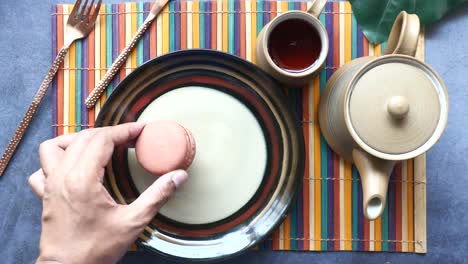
(95, 94)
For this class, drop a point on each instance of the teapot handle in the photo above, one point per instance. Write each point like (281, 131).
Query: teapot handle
(404, 35)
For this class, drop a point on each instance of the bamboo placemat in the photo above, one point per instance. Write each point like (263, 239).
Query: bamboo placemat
(328, 213)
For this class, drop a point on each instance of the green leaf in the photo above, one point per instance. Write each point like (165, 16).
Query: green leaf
(376, 16)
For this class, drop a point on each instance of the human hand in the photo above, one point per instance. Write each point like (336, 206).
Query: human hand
(81, 223)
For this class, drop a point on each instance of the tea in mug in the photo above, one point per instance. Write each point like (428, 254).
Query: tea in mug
(294, 45)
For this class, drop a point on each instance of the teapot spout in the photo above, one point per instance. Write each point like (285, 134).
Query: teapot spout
(375, 174)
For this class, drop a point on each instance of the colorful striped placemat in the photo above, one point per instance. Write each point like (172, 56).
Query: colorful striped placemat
(328, 213)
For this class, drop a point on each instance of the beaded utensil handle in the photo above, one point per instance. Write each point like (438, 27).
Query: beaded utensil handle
(80, 22)
(95, 94)
(15, 140)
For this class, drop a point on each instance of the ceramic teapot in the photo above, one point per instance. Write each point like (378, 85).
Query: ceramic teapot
(376, 111)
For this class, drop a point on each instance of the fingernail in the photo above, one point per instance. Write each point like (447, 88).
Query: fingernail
(179, 177)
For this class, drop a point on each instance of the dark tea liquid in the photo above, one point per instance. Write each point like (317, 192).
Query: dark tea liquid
(294, 44)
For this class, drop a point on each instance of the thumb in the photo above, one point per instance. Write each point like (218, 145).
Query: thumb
(156, 195)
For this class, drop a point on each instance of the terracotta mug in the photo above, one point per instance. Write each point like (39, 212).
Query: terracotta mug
(378, 110)
(294, 45)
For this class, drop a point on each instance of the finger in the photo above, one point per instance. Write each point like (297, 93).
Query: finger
(51, 151)
(75, 150)
(37, 183)
(99, 151)
(124, 133)
(156, 195)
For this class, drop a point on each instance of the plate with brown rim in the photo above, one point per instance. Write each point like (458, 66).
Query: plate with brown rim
(250, 152)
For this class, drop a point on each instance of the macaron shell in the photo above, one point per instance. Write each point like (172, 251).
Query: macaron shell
(164, 146)
(191, 146)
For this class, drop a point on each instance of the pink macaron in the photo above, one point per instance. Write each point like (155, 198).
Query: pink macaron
(164, 146)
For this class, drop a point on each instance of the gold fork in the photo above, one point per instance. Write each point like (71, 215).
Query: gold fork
(79, 24)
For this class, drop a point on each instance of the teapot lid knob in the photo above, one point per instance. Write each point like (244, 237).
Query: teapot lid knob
(398, 107)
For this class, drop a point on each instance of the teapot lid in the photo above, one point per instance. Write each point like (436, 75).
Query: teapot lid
(396, 107)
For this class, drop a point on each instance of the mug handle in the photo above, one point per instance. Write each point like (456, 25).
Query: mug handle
(316, 7)
(404, 35)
